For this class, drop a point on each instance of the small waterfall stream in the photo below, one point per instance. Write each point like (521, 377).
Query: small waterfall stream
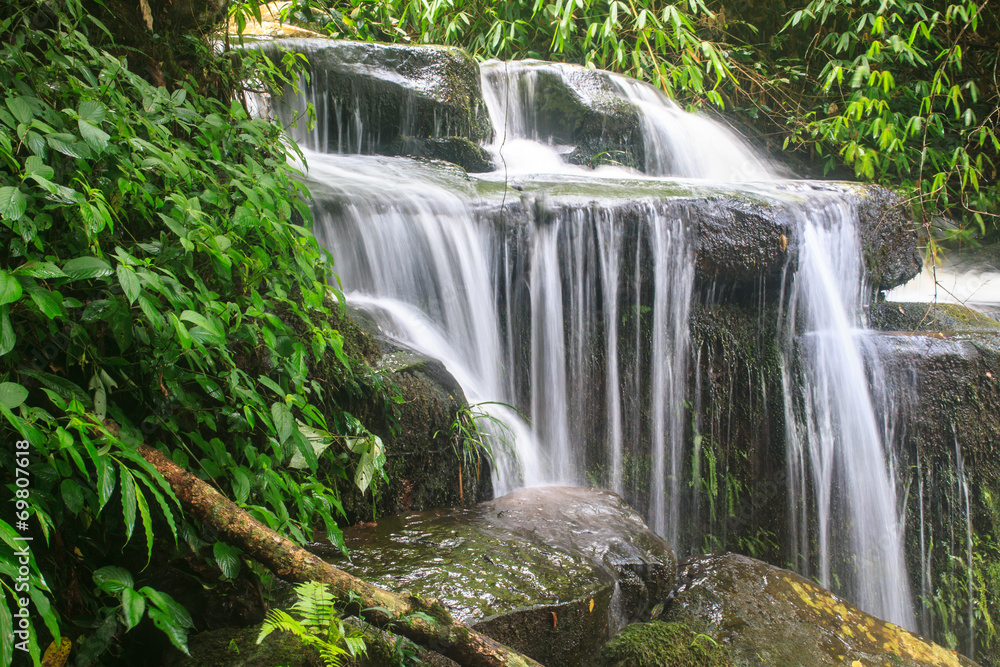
(582, 321)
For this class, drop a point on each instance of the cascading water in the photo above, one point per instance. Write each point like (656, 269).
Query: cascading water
(582, 321)
(834, 431)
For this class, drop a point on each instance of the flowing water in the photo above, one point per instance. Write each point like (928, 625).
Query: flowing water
(836, 438)
(579, 317)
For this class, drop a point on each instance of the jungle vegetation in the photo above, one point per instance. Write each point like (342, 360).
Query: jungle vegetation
(159, 281)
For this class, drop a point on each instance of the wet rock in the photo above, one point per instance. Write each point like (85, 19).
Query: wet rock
(762, 613)
(575, 106)
(369, 95)
(458, 150)
(941, 366)
(540, 569)
(743, 238)
(413, 414)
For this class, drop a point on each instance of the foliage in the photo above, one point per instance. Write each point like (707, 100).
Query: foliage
(319, 625)
(475, 432)
(647, 39)
(158, 284)
(902, 92)
(901, 96)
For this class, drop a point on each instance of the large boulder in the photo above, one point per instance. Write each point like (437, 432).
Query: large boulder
(764, 614)
(368, 96)
(412, 407)
(552, 572)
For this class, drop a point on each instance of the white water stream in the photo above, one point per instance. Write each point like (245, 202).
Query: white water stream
(537, 317)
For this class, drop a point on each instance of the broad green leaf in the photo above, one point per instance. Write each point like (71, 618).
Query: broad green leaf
(176, 634)
(19, 107)
(39, 270)
(50, 303)
(12, 394)
(35, 166)
(68, 145)
(65, 388)
(133, 607)
(72, 495)
(10, 288)
(82, 268)
(228, 559)
(129, 282)
(175, 612)
(95, 137)
(7, 336)
(12, 203)
(241, 486)
(113, 579)
(283, 421)
(92, 111)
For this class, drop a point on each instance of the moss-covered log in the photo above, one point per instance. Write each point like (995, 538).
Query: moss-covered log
(433, 628)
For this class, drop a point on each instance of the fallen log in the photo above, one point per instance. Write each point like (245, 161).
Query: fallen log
(433, 627)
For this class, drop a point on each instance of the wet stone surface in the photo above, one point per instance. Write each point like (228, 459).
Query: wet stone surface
(767, 615)
(551, 571)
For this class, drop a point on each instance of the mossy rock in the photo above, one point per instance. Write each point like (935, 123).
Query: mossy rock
(368, 95)
(552, 572)
(238, 647)
(941, 318)
(766, 615)
(659, 644)
(458, 150)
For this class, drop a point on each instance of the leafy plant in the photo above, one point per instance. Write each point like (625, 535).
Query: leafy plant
(158, 284)
(475, 432)
(319, 625)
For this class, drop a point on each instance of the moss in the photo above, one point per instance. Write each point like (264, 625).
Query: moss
(659, 644)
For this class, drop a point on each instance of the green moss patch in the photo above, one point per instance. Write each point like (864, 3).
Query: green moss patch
(659, 644)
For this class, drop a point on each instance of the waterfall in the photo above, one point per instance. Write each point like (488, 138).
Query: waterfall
(835, 442)
(575, 308)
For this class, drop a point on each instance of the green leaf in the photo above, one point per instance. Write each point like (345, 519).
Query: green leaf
(39, 270)
(147, 522)
(113, 579)
(133, 607)
(50, 303)
(283, 420)
(12, 394)
(92, 111)
(82, 268)
(174, 611)
(20, 109)
(34, 166)
(228, 559)
(105, 482)
(129, 282)
(7, 337)
(128, 502)
(10, 288)
(72, 495)
(176, 634)
(12, 203)
(6, 630)
(241, 486)
(68, 145)
(95, 137)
